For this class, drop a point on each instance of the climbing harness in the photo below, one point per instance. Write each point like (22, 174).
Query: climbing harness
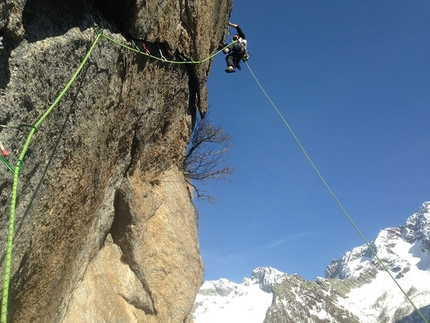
(244, 46)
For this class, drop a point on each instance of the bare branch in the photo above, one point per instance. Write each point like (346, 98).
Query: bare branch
(207, 156)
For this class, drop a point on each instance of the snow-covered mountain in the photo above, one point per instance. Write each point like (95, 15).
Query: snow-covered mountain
(357, 288)
(225, 301)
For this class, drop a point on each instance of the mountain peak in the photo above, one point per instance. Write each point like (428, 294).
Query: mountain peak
(398, 248)
(228, 301)
(361, 291)
(266, 277)
(417, 226)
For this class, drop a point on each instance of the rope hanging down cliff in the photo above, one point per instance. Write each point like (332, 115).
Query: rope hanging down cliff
(19, 164)
(17, 169)
(332, 193)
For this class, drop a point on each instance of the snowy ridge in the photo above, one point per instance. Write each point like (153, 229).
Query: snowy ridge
(225, 301)
(417, 226)
(265, 277)
(356, 288)
(398, 248)
(382, 300)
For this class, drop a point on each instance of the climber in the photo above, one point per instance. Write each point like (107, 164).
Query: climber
(236, 51)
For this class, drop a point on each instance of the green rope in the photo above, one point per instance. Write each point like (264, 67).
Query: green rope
(15, 185)
(332, 193)
(34, 129)
(162, 59)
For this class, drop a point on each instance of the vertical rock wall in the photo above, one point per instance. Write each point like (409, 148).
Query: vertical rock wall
(105, 227)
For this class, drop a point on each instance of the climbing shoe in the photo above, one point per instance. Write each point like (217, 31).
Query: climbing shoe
(230, 70)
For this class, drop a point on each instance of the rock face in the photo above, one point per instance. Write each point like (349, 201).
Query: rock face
(105, 229)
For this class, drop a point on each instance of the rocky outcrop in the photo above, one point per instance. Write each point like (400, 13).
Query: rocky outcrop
(299, 300)
(105, 228)
(11, 18)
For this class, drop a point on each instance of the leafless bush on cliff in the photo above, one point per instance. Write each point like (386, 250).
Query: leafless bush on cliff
(207, 156)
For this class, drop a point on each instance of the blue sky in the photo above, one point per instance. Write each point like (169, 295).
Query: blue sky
(352, 78)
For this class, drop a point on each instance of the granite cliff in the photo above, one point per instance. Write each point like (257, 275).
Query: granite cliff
(105, 227)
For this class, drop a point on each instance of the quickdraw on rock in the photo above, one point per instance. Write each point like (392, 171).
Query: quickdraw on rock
(4, 152)
(162, 56)
(145, 49)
